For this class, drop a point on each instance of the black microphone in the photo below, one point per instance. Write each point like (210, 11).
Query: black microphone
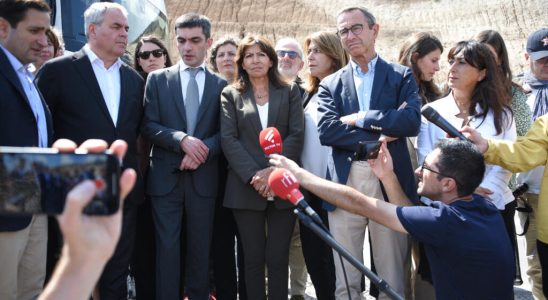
(433, 116)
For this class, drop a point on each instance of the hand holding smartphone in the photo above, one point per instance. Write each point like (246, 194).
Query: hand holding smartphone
(37, 180)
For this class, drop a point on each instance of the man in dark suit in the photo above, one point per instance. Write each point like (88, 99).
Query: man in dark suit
(363, 100)
(182, 122)
(24, 121)
(92, 94)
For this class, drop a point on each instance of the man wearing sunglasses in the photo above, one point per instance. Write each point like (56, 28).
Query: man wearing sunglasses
(463, 233)
(363, 100)
(290, 60)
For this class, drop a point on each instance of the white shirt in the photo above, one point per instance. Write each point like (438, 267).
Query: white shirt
(315, 157)
(109, 82)
(185, 76)
(496, 178)
(26, 78)
(263, 114)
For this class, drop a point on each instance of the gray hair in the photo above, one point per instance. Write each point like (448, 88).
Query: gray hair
(290, 40)
(95, 14)
(367, 14)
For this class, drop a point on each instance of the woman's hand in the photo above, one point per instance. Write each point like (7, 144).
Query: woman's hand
(260, 182)
(484, 192)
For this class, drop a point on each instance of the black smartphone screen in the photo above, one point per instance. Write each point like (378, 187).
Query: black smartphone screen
(37, 181)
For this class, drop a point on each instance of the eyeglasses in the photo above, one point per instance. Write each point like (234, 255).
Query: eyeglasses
(291, 54)
(426, 167)
(356, 29)
(146, 54)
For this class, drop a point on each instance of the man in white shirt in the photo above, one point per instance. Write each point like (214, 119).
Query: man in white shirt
(93, 95)
(24, 121)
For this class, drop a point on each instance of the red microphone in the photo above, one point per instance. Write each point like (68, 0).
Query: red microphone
(286, 186)
(271, 141)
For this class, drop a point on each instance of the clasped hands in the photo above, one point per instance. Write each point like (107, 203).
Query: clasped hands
(260, 182)
(196, 153)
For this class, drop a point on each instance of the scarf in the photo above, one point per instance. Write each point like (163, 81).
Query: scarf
(540, 87)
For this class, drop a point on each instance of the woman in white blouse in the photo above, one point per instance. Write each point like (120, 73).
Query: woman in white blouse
(478, 98)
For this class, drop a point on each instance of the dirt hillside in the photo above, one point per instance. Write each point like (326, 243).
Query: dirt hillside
(450, 20)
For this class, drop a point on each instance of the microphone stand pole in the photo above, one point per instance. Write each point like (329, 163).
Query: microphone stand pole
(326, 237)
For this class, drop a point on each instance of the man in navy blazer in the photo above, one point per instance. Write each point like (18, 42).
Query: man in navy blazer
(92, 94)
(24, 121)
(363, 100)
(182, 106)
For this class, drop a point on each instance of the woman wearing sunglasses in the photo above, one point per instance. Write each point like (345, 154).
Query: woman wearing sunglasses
(150, 55)
(478, 98)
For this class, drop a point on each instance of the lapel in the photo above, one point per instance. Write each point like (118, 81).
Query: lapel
(84, 68)
(124, 86)
(381, 70)
(207, 96)
(174, 85)
(7, 70)
(249, 105)
(274, 104)
(350, 98)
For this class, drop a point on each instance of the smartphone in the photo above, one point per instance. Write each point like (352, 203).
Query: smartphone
(37, 180)
(367, 150)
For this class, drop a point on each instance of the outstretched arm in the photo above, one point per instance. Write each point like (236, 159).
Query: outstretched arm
(343, 196)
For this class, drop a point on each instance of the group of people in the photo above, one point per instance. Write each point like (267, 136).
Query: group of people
(201, 190)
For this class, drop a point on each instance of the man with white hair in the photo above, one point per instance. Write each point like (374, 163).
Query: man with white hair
(290, 60)
(92, 94)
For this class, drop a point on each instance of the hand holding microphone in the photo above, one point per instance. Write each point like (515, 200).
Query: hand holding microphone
(286, 186)
(434, 117)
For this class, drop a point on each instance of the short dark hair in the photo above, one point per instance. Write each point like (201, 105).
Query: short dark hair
(367, 14)
(242, 82)
(15, 10)
(463, 162)
(191, 20)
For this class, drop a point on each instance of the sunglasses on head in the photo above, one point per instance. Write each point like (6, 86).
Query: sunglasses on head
(291, 54)
(146, 54)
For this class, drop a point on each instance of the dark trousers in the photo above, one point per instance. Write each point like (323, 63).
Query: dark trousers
(265, 238)
(143, 265)
(542, 249)
(168, 219)
(113, 281)
(318, 256)
(228, 284)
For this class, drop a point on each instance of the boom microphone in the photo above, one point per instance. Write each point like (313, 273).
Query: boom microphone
(271, 141)
(434, 117)
(284, 184)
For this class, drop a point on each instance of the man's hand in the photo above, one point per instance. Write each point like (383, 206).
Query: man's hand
(382, 166)
(350, 119)
(475, 137)
(92, 238)
(260, 181)
(195, 148)
(187, 163)
(280, 161)
(89, 241)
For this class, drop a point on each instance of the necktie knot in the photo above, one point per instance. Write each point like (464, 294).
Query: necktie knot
(193, 71)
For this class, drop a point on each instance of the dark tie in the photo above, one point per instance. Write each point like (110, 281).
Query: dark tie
(192, 100)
